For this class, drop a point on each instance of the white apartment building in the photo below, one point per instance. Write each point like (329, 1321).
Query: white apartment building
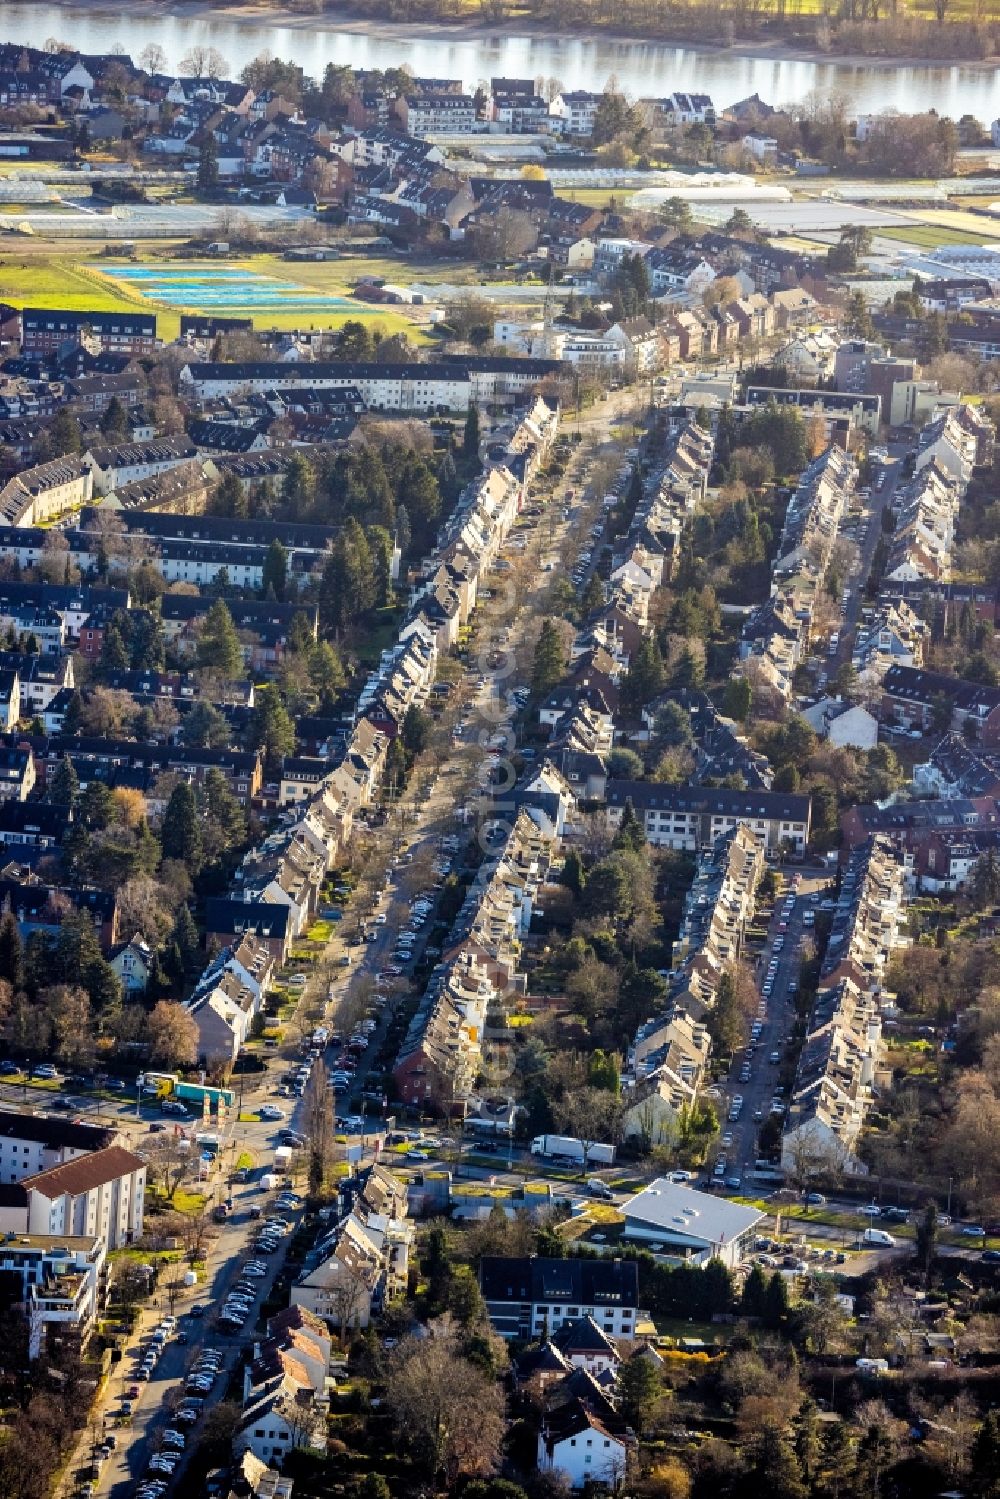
(62, 1278)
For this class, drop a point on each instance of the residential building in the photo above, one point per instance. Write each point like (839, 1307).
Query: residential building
(46, 329)
(574, 111)
(836, 1081)
(33, 1143)
(693, 817)
(59, 1280)
(918, 700)
(363, 1258)
(99, 1193)
(530, 1298)
(437, 114)
(577, 1442)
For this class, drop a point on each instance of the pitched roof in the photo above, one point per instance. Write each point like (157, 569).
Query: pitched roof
(85, 1173)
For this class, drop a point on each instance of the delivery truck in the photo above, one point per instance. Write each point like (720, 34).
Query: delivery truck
(566, 1148)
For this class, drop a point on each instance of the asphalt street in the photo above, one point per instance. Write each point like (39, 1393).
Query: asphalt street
(783, 948)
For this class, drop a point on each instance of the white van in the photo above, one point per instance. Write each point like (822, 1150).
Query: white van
(878, 1238)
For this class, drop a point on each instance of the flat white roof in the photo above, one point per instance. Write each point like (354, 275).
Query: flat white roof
(680, 1211)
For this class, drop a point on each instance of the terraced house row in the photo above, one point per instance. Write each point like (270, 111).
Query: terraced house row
(275, 892)
(777, 635)
(671, 1050)
(441, 1055)
(838, 1075)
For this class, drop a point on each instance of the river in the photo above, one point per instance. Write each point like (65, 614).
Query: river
(640, 67)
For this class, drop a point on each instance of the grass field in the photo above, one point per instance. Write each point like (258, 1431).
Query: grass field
(58, 280)
(595, 197)
(928, 236)
(976, 224)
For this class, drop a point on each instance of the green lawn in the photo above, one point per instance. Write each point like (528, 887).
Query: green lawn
(927, 236)
(59, 280)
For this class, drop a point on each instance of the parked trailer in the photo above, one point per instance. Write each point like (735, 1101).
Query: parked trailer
(196, 1093)
(568, 1148)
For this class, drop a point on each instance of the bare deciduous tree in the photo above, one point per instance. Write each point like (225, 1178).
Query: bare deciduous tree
(447, 1410)
(203, 62)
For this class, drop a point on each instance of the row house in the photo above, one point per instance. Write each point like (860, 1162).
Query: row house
(388, 148)
(644, 559)
(693, 817)
(229, 993)
(673, 1047)
(45, 329)
(947, 443)
(585, 729)
(892, 634)
(286, 1399)
(696, 331)
(282, 870)
(91, 395)
(28, 87)
(835, 1083)
(671, 1054)
(924, 535)
(777, 635)
(814, 512)
(402, 680)
(95, 758)
(908, 823)
(681, 109)
(44, 493)
(441, 1055)
(126, 463)
(718, 910)
(753, 315)
(773, 641)
(364, 1259)
(264, 627)
(956, 768)
(671, 1050)
(918, 700)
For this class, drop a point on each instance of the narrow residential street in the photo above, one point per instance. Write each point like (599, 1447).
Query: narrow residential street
(537, 553)
(783, 948)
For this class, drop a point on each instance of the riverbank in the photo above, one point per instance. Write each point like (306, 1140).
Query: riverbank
(475, 29)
